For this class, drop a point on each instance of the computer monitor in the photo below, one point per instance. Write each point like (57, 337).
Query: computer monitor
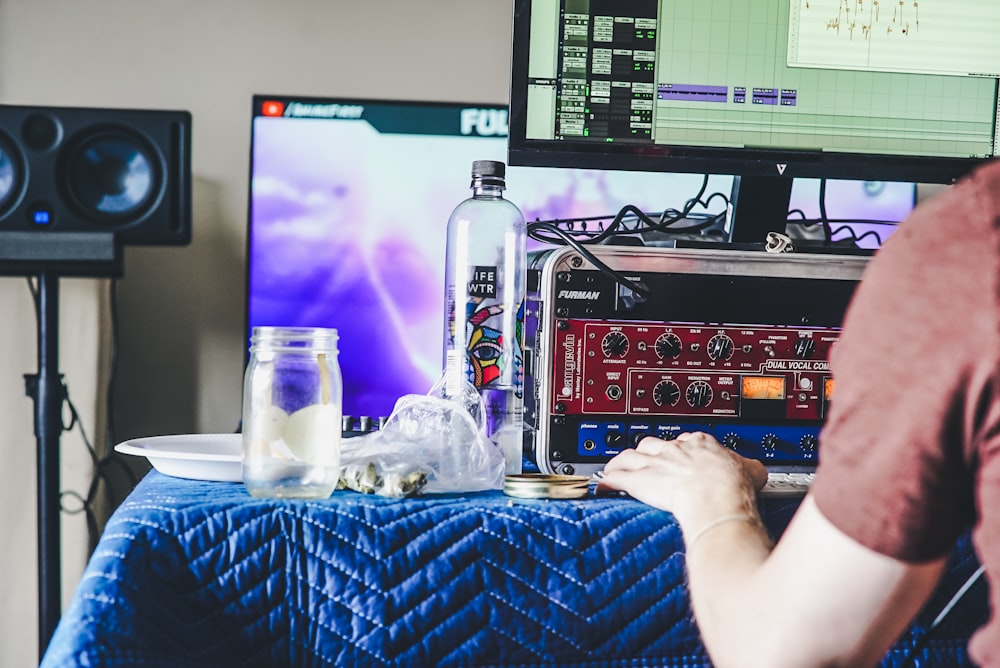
(348, 207)
(767, 91)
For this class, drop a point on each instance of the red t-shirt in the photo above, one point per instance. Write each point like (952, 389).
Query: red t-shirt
(910, 454)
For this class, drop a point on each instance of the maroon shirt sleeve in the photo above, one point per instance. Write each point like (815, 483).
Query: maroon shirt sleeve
(914, 372)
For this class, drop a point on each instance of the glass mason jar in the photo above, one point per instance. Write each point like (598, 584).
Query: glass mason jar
(292, 395)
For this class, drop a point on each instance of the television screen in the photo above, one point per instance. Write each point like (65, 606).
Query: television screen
(348, 206)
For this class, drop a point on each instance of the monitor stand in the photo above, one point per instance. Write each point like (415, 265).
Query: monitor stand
(759, 205)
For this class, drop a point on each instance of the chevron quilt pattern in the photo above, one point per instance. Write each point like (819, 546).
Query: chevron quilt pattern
(191, 573)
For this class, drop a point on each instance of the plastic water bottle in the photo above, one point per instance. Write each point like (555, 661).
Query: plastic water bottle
(485, 283)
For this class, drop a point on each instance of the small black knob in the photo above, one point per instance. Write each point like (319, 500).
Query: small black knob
(668, 345)
(615, 344)
(699, 394)
(804, 348)
(720, 347)
(666, 393)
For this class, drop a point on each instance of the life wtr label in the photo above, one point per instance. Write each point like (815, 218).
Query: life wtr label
(483, 283)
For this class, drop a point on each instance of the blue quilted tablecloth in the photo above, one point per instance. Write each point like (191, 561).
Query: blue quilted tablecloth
(192, 573)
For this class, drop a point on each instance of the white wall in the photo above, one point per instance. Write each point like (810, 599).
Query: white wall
(181, 309)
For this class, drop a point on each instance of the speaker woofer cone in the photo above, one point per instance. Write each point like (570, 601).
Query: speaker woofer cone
(113, 176)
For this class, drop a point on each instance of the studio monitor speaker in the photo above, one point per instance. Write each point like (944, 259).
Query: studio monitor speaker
(69, 173)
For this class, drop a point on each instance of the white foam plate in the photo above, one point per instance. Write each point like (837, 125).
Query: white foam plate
(196, 456)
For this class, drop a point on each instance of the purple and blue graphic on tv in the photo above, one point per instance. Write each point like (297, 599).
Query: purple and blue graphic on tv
(349, 202)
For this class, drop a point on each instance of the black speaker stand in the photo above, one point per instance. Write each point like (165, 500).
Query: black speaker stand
(78, 255)
(47, 391)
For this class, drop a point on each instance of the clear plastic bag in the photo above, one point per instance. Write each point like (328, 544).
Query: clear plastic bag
(429, 444)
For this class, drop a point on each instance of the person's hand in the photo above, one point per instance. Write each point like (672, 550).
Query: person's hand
(691, 475)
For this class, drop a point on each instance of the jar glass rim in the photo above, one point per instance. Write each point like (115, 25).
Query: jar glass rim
(304, 336)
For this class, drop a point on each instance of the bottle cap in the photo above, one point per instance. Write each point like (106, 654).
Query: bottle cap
(489, 172)
(489, 168)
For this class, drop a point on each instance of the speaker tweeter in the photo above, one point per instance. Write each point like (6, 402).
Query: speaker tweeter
(40, 131)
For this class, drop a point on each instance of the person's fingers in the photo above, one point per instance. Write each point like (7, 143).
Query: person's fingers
(698, 439)
(650, 441)
(674, 450)
(613, 480)
(651, 445)
(668, 450)
(757, 472)
(629, 460)
(634, 482)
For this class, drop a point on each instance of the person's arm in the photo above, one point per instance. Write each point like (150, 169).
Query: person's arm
(819, 599)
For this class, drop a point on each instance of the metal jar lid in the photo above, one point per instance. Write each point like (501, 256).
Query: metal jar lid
(545, 486)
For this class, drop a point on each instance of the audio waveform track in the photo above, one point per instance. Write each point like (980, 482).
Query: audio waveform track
(908, 36)
(904, 22)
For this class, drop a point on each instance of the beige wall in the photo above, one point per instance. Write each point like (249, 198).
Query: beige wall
(181, 309)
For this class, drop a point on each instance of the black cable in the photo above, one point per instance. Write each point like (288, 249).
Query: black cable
(102, 464)
(708, 222)
(666, 221)
(618, 227)
(853, 236)
(823, 218)
(33, 289)
(845, 224)
(945, 611)
(713, 196)
(109, 418)
(852, 221)
(827, 222)
(675, 216)
(549, 231)
(621, 279)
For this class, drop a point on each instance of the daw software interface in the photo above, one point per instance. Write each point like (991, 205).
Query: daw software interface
(903, 78)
